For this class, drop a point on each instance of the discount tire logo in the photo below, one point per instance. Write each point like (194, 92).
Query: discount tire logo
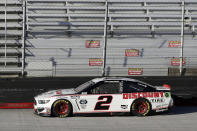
(143, 95)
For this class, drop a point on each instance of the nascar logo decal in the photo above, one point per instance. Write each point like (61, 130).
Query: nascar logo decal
(83, 101)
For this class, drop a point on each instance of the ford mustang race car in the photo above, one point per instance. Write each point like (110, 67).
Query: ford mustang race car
(103, 95)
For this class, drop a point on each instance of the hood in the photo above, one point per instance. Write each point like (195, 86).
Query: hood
(57, 92)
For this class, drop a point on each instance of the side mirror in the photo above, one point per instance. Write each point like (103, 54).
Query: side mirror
(84, 93)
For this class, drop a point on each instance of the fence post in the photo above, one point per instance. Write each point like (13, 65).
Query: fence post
(182, 36)
(5, 55)
(24, 35)
(105, 39)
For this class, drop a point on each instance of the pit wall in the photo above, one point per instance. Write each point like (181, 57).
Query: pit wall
(23, 90)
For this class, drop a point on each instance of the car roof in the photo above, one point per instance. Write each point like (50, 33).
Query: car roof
(96, 80)
(113, 78)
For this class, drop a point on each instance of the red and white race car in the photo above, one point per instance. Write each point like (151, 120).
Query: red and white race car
(102, 95)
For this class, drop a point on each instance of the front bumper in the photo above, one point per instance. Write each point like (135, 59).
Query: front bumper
(37, 112)
(42, 111)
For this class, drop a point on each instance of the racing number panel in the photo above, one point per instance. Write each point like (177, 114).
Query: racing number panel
(103, 102)
(107, 102)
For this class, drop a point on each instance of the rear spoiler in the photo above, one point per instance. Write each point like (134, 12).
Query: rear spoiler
(167, 86)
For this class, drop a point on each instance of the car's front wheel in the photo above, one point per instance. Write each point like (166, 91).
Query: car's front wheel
(141, 107)
(62, 108)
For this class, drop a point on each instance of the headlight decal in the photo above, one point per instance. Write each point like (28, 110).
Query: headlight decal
(43, 101)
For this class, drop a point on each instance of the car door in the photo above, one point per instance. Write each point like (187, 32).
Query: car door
(104, 96)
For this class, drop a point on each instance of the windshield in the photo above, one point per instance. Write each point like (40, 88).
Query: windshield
(83, 86)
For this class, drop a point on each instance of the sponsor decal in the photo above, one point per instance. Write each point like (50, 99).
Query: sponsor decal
(50, 93)
(48, 110)
(162, 106)
(142, 94)
(74, 97)
(132, 52)
(83, 101)
(111, 81)
(59, 92)
(159, 100)
(135, 71)
(176, 61)
(175, 43)
(95, 62)
(61, 97)
(159, 106)
(124, 106)
(167, 94)
(92, 43)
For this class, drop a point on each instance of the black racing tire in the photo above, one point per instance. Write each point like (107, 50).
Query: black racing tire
(141, 107)
(62, 108)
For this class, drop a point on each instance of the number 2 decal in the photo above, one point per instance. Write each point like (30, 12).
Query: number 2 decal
(99, 105)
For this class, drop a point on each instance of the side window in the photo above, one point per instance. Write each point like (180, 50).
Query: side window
(129, 86)
(106, 87)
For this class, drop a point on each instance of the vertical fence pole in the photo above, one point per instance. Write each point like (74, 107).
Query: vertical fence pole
(24, 35)
(105, 39)
(5, 61)
(182, 37)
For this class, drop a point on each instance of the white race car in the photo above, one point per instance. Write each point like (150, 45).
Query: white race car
(102, 95)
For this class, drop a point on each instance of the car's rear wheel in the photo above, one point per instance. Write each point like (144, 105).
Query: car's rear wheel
(62, 108)
(141, 107)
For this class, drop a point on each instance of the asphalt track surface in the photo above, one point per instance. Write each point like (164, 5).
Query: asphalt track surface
(180, 119)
